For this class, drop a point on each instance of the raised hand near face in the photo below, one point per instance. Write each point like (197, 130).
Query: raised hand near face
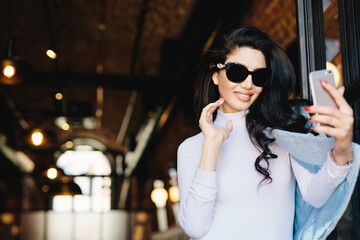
(207, 127)
(213, 137)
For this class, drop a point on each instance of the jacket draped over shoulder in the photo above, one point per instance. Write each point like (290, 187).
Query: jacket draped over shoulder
(310, 151)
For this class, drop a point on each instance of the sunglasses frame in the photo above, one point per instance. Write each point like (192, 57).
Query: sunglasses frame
(221, 66)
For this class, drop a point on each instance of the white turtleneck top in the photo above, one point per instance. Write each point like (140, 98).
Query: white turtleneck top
(229, 203)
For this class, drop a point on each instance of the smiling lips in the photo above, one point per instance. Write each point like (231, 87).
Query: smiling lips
(243, 96)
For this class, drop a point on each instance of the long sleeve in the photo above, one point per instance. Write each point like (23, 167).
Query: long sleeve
(317, 188)
(197, 193)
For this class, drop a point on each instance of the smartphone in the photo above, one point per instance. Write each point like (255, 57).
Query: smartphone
(319, 95)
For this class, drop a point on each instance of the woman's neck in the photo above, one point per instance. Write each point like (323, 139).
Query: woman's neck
(237, 118)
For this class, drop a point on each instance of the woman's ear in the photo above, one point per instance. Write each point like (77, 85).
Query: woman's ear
(215, 78)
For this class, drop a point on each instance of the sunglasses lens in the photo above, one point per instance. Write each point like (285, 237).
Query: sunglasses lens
(260, 77)
(236, 72)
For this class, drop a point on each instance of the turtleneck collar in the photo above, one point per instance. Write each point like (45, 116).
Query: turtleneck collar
(238, 118)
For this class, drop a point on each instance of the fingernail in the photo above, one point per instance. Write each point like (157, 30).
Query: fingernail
(323, 81)
(307, 109)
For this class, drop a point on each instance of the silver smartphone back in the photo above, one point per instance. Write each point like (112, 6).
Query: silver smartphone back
(319, 94)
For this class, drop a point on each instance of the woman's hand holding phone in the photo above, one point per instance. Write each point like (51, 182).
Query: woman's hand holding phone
(336, 122)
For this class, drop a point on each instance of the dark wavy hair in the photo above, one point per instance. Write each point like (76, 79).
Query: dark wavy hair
(272, 108)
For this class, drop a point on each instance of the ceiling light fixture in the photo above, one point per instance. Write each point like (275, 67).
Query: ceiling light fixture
(13, 69)
(9, 71)
(41, 137)
(69, 144)
(65, 126)
(37, 137)
(52, 173)
(59, 96)
(51, 54)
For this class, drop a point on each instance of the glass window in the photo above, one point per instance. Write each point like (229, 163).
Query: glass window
(91, 170)
(84, 160)
(344, 229)
(62, 203)
(332, 39)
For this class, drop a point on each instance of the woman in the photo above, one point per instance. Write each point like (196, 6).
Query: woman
(235, 181)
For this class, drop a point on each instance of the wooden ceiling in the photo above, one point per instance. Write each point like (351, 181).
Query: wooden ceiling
(94, 36)
(114, 45)
(111, 49)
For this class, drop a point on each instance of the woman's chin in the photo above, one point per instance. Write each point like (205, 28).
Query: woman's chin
(233, 108)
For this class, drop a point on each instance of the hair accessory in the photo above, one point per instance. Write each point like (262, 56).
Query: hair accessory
(220, 66)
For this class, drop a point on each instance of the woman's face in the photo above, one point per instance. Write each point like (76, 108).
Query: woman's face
(239, 96)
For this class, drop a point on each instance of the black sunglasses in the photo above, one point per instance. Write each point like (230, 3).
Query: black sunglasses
(237, 73)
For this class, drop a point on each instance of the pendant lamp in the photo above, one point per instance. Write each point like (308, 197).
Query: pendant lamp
(15, 70)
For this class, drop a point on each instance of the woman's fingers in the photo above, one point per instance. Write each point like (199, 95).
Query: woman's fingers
(337, 133)
(326, 115)
(331, 116)
(229, 126)
(321, 111)
(324, 110)
(208, 110)
(226, 131)
(211, 107)
(341, 90)
(337, 95)
(335, 122)
(327, 120)
(206, 123)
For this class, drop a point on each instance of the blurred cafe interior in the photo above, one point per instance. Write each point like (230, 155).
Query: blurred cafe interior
(96, 96)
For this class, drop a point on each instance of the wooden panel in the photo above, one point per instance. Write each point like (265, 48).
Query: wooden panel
(276, 17)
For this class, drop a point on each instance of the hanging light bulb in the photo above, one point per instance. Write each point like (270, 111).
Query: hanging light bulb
(51, 54)
(159, 196)
(69, 144)
(174, 193)
(65, 126)
(9, 71)
(59, 96)
(52, 173)
(13, 69)
(37, 137)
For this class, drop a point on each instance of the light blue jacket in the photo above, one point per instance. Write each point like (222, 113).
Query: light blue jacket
(317, 223)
